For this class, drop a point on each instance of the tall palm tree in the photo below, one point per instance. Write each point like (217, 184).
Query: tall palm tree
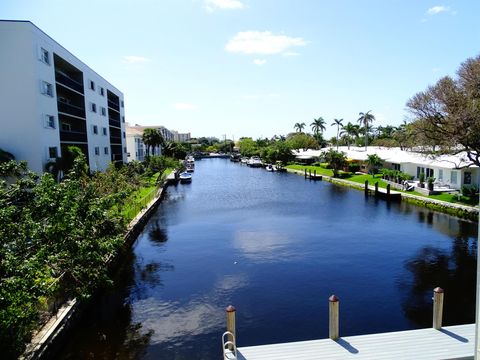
(299, 126)
(364, 119)
(350, 130)
(318, 125)
(339, 124)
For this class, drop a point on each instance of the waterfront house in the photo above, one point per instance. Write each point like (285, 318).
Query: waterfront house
(449, 170)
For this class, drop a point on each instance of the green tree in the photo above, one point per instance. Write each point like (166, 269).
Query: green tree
(336, 159)
(5, 156)
(152, 138)
(364, 119)
(374, 162)
(248, 147)
(350, 131)
(304, 141)
(299, 127)
(339, 124)
(318, 125)
(447, 114)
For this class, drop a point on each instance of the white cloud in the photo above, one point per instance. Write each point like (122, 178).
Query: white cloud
(437, 9)
(184, 106)
(265, 43)
(291, 54)
(133, 59)
(212, 5)
(259, 62)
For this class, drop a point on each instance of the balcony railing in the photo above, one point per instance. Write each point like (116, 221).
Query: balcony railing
(75, 136)
(112, 122)
(68, 81)
(70, 109)
(115, 140)
(114, 105)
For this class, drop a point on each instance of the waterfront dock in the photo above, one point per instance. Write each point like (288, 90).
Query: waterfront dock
(435, 343)
(451, 342)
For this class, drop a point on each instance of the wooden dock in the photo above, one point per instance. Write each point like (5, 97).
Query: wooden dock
(451, 342)
(437, 342)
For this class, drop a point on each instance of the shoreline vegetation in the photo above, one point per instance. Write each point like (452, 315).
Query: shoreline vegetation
(59, 237)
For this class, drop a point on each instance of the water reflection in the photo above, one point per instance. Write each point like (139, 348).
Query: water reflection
(453, 269)
(266, 246)
(157, 233)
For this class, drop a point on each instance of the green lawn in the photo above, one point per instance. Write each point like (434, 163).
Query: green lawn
(464, 200)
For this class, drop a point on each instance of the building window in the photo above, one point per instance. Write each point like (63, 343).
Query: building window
(124, 134)
(105, 150)
(125, 149)
(93, 107)
(395, 166)
(440, 174)
(104, 131)
(50, 121)
(92, 85)
(123, 119)
(95, 129)
(52, 152)
(104, 111)
(101, 90)
(453, 177)
(428, 173)
(47, 88)
(45, 56)
(122, 104)
(467, 178)
(97, 150)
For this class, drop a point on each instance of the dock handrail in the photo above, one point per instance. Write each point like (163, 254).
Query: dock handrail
(229, 347)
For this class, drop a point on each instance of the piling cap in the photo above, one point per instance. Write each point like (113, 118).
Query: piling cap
(230, 308)
(333, 298)
(438, 290)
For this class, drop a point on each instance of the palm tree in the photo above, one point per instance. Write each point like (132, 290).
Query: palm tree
(374, 162)
(318, 125)
(299, 126)
(339, 124)
(350, 131)
(364, 119)
(152, 138)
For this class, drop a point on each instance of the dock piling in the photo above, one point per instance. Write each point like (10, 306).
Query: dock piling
(333, 309)
(305, 173)
(438, 295)
(230, 310)
(366, 187)
(376, 189)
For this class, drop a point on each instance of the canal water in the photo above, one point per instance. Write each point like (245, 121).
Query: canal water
(275, 246)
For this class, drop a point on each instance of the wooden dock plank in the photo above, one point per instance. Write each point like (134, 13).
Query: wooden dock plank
(453, 342)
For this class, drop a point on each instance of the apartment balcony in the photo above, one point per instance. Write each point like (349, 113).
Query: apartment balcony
(64, 79)
(70, 109)
(73, 136)
(115, 123)
(115, 140)
(113, 105)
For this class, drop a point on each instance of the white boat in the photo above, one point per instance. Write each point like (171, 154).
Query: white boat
(270, 167)
(185, 177)
(255, 161)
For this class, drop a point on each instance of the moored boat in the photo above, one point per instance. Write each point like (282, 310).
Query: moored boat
(185, 177)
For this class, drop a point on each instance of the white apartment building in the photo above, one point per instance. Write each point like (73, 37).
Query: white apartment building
(136, 149)
(180, 137)
(50, 100)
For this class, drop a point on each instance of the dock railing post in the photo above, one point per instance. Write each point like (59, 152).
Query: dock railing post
(437, 307)
(305, 173)
(230, 310)
(315, 174)
(376, 189)
(310, 173)
(366, 187)
(388, 191)
(333, 306)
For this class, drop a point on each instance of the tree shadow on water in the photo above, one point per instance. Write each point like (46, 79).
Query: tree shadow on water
(453, 270)
(157, 234)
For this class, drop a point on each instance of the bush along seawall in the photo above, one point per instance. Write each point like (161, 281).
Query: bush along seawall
(61, 241)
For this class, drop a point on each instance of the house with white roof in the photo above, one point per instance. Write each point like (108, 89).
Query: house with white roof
(454, 171)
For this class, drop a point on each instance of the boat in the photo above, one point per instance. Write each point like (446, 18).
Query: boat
(270, 167)
(190, 168)
(235, 157)
(185, 177)
(255, 161)
(244, 160)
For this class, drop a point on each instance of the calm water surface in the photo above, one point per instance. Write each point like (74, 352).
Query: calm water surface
(276, 247)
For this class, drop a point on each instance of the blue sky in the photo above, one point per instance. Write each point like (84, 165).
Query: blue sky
(256, 67)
